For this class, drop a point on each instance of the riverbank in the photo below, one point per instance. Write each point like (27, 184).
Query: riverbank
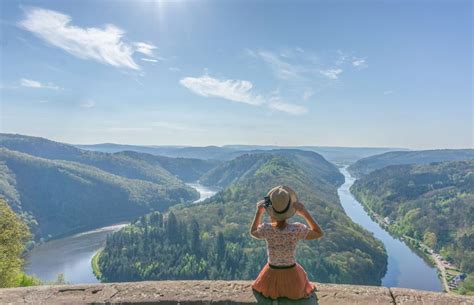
(416, 245)
(95, 264)
(406, 268)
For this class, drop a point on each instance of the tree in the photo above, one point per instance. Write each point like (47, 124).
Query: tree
(220, 246)
(430, 239)
(13, 236)
(172, 228)
(195, 239)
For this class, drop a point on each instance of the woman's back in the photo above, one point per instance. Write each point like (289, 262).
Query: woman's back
(281, 242)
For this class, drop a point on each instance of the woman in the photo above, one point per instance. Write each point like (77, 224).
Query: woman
(282, 276)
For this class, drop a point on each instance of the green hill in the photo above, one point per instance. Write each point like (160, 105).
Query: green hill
(56, 197)
(122, 164)
(210, 240)
(186, 169)
(369, 164)
(434, 203)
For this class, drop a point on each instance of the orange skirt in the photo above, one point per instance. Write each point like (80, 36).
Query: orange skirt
(291, 283)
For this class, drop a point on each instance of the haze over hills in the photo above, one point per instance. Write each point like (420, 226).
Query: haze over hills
(432, 203)
(210, 239)
(369, 164)
(228, 152)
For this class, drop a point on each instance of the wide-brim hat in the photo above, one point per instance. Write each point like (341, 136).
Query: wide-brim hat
(280, 202)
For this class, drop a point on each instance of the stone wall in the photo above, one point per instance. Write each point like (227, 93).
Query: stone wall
(216, 292)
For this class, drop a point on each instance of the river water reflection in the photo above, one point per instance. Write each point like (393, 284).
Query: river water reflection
(405, 268)
(72, 255)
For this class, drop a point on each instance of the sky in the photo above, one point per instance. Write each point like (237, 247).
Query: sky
(289, 73)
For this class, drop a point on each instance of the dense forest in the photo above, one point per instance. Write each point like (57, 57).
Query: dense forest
(433, 203)
(371, 163)
(156, 169)
(210, 240)
(56, 197)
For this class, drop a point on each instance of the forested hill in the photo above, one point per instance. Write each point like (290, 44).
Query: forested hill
(160, 170)
(210, 240)
(433, 203)
(186, 169)
(369, 164)
(56, 197)
(313, 164)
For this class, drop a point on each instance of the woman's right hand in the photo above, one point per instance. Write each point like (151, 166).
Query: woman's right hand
(261, 206)
(299, 207)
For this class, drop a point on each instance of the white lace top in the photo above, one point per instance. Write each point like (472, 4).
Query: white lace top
(281, 243)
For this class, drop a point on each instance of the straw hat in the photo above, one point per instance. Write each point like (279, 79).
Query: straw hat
(279, 202)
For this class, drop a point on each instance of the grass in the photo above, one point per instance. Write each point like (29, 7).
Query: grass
(95, 264)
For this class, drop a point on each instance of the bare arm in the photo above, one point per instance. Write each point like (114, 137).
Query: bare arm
(316, 231)
(258, 218)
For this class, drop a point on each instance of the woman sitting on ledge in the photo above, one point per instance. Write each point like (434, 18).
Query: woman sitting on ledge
(282, 276)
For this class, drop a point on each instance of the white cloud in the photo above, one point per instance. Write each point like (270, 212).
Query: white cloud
(331, 73)
(388, 92)
(359, 63)
(293, 109)
(25, 82)
(149, 59)
(237, 91)
(87, 103)
(144, 48)
(174, 69)
(105, 45)
(233, 90)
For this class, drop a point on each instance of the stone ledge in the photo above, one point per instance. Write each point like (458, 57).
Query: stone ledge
(216, 292)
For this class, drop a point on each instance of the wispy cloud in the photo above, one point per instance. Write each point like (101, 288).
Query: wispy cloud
(332, 73)
(87, 103)
(388, 92)
(149, 59)
(144, 48)
(174, 69)
(307, 94)
(282, 68)
(237, 91)
(233, 90)
(277, 104)
(105, 45)
(359, 62)
(128, 129)
(25, 82)
(175, 126)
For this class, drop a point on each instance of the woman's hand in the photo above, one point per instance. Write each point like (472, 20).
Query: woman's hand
(260, 206)
(316, 231)
(299, 207)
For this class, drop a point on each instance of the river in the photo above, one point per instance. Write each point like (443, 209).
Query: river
(204, 191)
(405, 268)
(72, 255)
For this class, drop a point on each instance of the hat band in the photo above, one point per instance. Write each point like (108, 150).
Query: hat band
(284, 210)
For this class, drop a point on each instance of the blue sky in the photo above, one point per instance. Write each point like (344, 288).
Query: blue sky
(339, 73)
